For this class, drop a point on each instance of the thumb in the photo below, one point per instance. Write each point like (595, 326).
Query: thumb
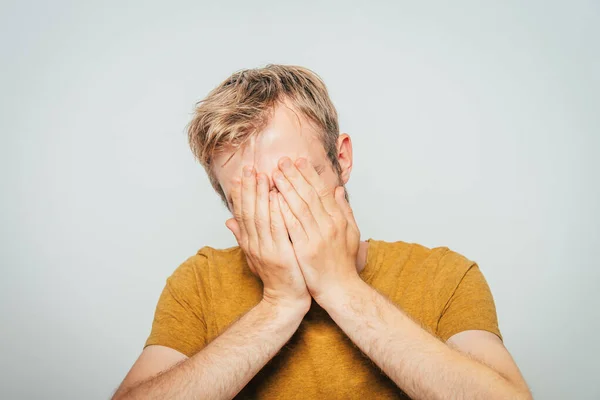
(340, 197)
(233, 226)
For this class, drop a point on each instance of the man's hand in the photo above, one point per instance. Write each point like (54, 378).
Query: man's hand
(260, 230)
(321, 225)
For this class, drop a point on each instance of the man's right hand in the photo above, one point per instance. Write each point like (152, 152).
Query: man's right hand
(259, 229)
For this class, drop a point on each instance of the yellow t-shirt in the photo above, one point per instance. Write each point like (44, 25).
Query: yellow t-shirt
(440, 288)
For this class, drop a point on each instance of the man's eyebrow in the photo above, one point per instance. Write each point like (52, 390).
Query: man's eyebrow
(319, 168)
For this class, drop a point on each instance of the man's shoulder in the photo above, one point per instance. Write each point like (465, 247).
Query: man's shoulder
(419, 278)
(421, 258)
(207, 258)
(212, 254)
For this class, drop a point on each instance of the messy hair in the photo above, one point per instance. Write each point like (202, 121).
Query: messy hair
(242, 104)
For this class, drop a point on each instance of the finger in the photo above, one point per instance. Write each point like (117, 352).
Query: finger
(293, 226)
(233, 226)
(306, 191)
(262, 218)
(324, 192)
(298, 207)
(236, 199)
(340, 198)
(249, 203)
(279, 232)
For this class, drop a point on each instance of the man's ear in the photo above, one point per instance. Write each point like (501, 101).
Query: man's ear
(344, 153)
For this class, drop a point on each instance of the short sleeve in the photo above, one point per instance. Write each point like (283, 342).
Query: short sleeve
(179, 320)
(471, 307)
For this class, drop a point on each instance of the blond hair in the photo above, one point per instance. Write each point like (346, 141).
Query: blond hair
(242, 104)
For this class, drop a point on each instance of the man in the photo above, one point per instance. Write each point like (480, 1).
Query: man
(303, 308)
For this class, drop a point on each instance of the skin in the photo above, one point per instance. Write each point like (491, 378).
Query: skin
(325, 239)
(286, 199)
(287, 135)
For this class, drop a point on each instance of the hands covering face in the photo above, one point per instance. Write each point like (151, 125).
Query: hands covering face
(324, 235)
(260, 231)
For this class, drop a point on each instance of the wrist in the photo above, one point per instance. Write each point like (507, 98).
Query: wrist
(295, 308)
(337, 294)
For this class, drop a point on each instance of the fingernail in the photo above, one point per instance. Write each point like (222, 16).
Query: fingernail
(278, 175)
(301, 162)
(247, 171)
(286, 162)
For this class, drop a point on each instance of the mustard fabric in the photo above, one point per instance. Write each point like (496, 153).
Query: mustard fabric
(439, 288)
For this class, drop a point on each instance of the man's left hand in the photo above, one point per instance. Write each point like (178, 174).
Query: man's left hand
(321, 225)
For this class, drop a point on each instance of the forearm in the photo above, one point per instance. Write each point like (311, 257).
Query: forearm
(420, 364)
(229, 362)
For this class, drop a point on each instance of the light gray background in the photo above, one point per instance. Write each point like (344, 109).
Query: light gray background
(475, 126)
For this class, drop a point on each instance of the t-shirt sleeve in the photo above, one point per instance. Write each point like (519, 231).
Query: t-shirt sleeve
(179, 320)
(471, 307)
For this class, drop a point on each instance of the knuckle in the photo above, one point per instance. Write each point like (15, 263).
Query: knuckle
(304, 210)
(260, 222)
(323, 191)
(336, 214)
(253, 251)
(235, 190)
(295, 224)
(248, 183)
(246, 215)
(276, 227)
(328, 229)
(275, 222)
(341, 220)
(244, 246)
(270, 259)
(313, 252)
(312, 196)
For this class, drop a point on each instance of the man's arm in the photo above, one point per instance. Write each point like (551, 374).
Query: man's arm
(326, 239)
(228, 363)
(421, 365)
(223, 367)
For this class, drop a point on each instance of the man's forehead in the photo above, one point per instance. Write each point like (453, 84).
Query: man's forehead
(263, 153)
(287, 133)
